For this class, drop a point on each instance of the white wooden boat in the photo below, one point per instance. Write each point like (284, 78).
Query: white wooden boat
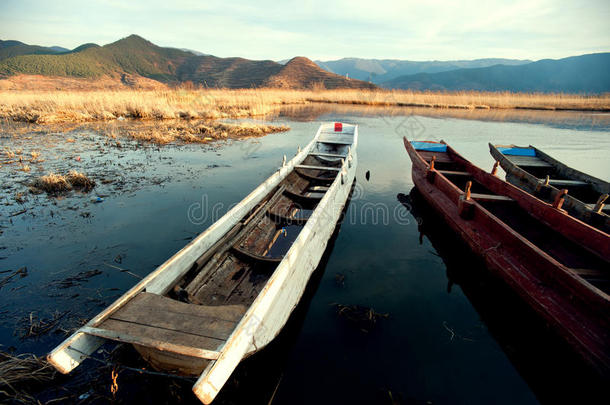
(230, 291)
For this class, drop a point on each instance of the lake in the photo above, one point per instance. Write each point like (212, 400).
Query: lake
(447, 331)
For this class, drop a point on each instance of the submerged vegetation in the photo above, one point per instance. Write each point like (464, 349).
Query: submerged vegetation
(78, 106)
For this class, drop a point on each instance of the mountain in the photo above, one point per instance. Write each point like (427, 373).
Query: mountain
(301, 72)
(9, 49)
(576, 74)
(382, 70)
(135, 57)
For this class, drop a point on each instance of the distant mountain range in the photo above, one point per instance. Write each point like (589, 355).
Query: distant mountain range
(135, 56)
(134, 61)
(382, 70)
(576, 74)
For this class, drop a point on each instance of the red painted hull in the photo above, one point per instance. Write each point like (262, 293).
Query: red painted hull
(578, 311)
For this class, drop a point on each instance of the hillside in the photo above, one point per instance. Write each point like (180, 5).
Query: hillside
(381, 70)
(9, 49)
(577, 74)
(301, 72)
(136, 57)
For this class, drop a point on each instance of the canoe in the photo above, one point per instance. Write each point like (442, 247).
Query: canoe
(538, 173)
(556, 263)
(229, 292)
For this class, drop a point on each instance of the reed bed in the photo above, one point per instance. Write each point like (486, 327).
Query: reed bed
(79, 106)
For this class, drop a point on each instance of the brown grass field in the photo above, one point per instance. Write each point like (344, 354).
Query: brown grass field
(45, 107)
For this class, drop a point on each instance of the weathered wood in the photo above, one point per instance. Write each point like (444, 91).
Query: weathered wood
(453, 173)
(153, 343)
(333, 155)
(221, 250)
(253, 256)
(165, 313)
(490, 197)
(321, 168)
(567, 183)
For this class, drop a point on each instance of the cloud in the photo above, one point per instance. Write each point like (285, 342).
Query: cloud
(419, 30)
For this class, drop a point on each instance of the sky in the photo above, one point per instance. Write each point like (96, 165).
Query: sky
(323, 30)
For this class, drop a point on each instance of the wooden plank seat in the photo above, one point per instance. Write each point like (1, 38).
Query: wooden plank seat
(441, 157)
(253, 256)
(592, 273)
(330, 155)
(453, 173)
(305, 200)
(335, 141)
(489, 197)
(322, 168)
(314, 178)
(528, 161)
(159, 322)
(567, 183)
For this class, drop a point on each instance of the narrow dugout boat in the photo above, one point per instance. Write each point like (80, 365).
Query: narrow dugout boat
(558, 264)
(230, 291)
(538, 173)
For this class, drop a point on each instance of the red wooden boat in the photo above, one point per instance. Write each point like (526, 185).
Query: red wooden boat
(558, 264)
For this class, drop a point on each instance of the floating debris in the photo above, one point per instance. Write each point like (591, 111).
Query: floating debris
(22, 272)
(33, 326)
(362, 317)
(79, 278)
(340, 279)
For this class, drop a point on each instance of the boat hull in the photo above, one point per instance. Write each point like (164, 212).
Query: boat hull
(548, 192)
(581, 320)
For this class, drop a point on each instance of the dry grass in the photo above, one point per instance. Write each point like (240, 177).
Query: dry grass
(198, 132)
(56, 183)
(18, 374)
(78, 106)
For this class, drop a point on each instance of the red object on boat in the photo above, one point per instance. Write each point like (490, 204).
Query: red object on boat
(338, 127)
(556, 263)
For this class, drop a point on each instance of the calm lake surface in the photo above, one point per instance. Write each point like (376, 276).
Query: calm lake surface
(452, 334)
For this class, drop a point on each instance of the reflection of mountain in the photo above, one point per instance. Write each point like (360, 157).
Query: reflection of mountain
(546, 363)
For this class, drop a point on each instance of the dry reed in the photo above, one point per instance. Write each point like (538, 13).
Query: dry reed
(78, 106)
(53, 183)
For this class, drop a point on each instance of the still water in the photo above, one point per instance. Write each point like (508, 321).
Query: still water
(452, 334)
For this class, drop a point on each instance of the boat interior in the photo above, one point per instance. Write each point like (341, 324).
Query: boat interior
(540, 168)
(580, 261)
(203, 308)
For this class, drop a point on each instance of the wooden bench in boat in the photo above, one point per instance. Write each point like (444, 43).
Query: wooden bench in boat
(162, 323)
(325, 168)
(567, 183)
(528, 161)
(330, 155)
(489, 197)
(335, 142)
(453, 173)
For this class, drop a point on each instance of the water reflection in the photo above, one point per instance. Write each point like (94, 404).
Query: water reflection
(551, 369)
